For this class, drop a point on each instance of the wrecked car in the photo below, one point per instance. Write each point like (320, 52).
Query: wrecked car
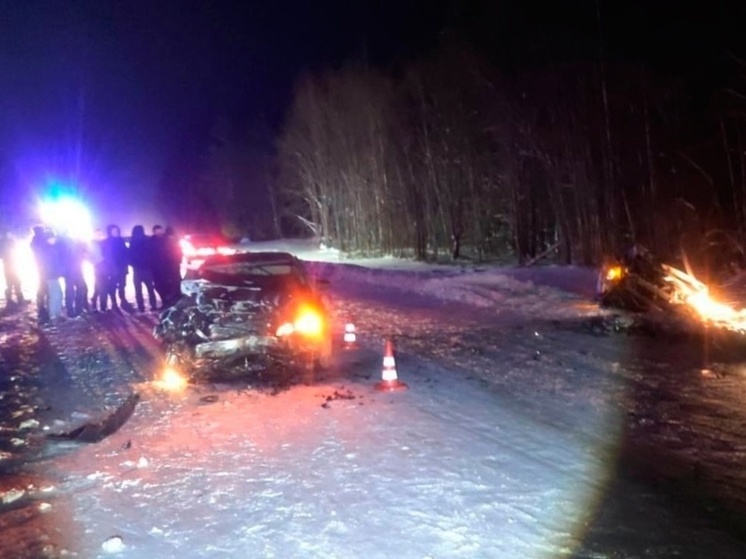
(250, 311)
(667, 297)
(636, 283)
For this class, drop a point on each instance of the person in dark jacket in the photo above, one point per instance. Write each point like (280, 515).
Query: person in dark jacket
(162, 268)
(141, 259)
(73, 254)
(157, 253)
(174, 256)
(39, 247)
(53, 270)
(116, 265)
(95, 254)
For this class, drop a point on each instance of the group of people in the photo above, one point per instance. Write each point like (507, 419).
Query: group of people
(155, 262)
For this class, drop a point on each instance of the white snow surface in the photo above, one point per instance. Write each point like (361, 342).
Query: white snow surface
(501, 447)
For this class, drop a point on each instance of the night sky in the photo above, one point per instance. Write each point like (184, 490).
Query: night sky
(111, 95)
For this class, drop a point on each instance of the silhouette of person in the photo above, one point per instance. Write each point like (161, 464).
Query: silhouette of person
(115, 262)
(141, 259)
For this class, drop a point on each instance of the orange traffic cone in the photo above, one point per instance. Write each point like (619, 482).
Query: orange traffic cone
(389, 378)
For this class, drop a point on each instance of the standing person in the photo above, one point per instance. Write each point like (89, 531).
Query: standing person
(172, 266)
(39, 247)
(54, 269)
(174, 256)
(10, 270)
(100, 279)
(158, 254)
(80, 254)
(141, 260)
(72, 254)
(166, 254)
(116, 265)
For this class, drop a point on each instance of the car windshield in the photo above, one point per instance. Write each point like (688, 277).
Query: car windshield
(261, 272)
(248, 269)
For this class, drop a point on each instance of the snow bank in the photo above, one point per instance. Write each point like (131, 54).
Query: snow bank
(479, 287)
(540, 291)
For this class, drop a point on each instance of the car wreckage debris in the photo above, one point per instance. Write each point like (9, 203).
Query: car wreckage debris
(98, 431)
(657, 299)
(228, 321)
(636, 284)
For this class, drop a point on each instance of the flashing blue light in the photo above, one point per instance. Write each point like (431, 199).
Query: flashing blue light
(67, 215)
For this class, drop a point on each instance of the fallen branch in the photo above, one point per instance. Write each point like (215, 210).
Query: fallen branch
(541, 255)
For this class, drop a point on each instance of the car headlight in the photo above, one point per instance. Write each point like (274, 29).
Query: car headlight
(285, 329)
(615, 273)
(308, 322)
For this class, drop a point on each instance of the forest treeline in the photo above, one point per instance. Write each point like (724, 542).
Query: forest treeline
(446, 156)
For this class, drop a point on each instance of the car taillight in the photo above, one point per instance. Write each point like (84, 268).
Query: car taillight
(285, 329)
(205, 251)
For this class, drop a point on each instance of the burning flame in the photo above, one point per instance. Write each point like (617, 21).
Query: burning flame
(171, 380)
(690, 291)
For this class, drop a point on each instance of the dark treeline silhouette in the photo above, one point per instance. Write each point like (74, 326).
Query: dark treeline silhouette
(525, 130)
(577, 127)
(449, 155)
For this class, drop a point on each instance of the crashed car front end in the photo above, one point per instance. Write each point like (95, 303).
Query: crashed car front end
(246, 320)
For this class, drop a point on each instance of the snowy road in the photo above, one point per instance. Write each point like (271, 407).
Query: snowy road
(520, 436)
(656, 425)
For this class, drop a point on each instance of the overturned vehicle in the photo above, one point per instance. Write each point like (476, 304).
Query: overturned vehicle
(247, 312)
(667, 298)
(636, 283)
